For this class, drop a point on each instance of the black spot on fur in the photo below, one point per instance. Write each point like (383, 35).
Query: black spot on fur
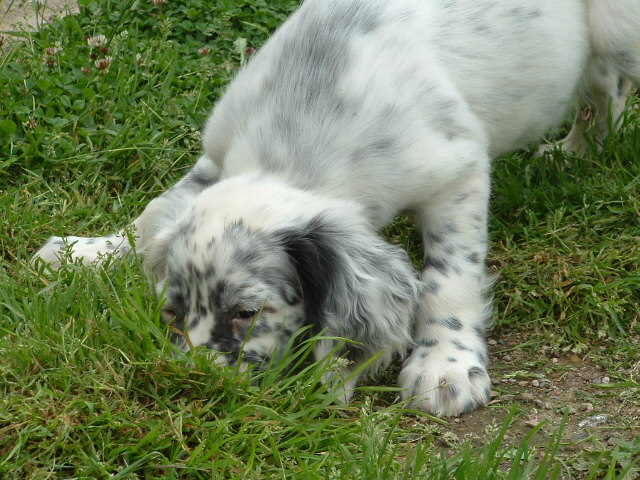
(201, 179)
(453, 323)
(439, 264)
(473, 257)
(460, 346)
(431, 286)
(450, 227)
(217, 293)
(621, 86)
(470, 406)
(433, 238)
(477, 372)
(448, 391)
(483, 358)
(480, 331)
(428, 342)
(486, 395)
(245, 257)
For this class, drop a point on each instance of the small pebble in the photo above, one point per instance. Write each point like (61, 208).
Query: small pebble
(527, 397)
(523, 383)
(494, 394)
(586, 407)
(512, 380)
(507, 358)
(492, 342)
(593, 421)
(535, 383)
(496, 381)
(548, 406)
(580, 436)
(544, 383)
(572, 410)
(554, 360)
(606, 380)
(612, 441)
(532, 421)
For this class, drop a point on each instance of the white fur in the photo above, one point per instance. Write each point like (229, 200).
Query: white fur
(351, 113)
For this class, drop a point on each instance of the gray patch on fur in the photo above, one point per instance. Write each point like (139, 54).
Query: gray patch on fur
(452, 323)
(476, 372)
(428, 342)
(459, 345)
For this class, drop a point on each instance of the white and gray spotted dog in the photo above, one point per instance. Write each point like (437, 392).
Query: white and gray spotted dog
(354, 111)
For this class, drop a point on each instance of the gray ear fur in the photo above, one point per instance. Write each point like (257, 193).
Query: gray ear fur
(354, 284)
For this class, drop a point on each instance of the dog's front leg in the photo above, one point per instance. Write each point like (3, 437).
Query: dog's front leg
(161, 211)
(446, 373)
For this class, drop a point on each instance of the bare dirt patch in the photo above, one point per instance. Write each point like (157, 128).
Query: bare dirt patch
(21, 15)
(602, 412)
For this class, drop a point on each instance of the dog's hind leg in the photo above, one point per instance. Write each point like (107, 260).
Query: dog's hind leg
(163, 210)
(614, 66)
(603, 101)
(614, 28)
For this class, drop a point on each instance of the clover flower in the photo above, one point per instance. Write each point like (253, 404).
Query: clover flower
(103, 63)
(97, 41)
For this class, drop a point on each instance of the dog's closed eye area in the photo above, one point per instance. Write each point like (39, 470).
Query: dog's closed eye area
(237, 322)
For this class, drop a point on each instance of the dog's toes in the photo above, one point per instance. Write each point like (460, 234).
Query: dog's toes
(545, 149)
(443, 387)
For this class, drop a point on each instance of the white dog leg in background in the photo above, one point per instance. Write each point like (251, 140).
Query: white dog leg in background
(162, 211)
(89, 250)
(614, 67)
(604, 100)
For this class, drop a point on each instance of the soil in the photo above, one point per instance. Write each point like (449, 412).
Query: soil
(600, 413)
(18, 15)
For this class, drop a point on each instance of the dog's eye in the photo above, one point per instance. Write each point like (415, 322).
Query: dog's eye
(168, 314)
(245, 314)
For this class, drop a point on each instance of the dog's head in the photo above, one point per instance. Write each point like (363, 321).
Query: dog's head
(254, 261)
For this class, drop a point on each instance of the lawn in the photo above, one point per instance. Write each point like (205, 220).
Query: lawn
(92, 128)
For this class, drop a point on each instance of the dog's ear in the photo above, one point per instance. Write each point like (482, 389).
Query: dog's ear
(318, 265)
(156, 253)
(354, 284)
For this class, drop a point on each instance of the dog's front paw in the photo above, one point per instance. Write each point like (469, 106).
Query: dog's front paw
(87, 250)
(50, 252)
(444, 383)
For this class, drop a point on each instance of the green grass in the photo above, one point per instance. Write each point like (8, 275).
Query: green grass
(91, 388)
